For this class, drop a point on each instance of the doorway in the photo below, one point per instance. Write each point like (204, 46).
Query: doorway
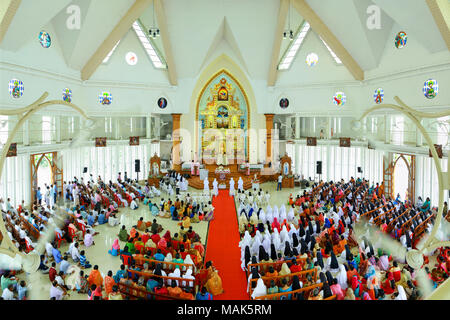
(45, 172)
(403, 177)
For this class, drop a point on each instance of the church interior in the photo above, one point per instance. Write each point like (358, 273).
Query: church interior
(224, 150)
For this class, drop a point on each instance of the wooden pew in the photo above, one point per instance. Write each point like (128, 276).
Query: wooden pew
(167, 266)
(301, 275)
(278, 296)
(263, 267)
(135, 293)
(165, 279)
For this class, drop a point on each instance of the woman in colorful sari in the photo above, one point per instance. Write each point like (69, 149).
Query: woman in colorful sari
(349, 295)
(115, 248)
(356, 286)
(214, 284)
(109, 282)
(123, 235)
(426, 206)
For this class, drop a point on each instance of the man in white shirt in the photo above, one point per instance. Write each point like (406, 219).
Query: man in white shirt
(56, 292)
(8, 293)
(280, 179)
(75, 253)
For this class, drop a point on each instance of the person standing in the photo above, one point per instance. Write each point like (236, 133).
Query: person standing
(39, 195)
(231, 187)
(280, 179)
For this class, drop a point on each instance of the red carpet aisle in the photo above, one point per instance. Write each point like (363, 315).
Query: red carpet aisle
(223, 248)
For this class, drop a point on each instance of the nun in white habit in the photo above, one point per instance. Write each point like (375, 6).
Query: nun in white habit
(254, 250)
(291, 215)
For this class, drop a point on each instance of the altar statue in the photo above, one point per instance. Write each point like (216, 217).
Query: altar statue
(192, 168)
(231, 187)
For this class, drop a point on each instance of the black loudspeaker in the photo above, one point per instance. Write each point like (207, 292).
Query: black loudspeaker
(319, 167)
(85, 170)
(137, 165)
(359, 170)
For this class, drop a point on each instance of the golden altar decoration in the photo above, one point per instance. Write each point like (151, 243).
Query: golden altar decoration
(222, 125)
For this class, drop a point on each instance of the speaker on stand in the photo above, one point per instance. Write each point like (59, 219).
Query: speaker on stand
(137, 167)
(319, 169)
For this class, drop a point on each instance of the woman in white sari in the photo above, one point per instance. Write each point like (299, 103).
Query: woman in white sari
(262, 216)
(168, 258)
(266, 242)
(188, 260)
(291, 215)
(276, 213)
(260, 290)
(175, 274)
(189, 276)
(401, 293)
(254, 250)
(284, 235)
(73, 274)
(342, 277)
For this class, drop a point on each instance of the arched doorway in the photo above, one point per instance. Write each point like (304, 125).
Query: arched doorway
(45, 171)
(403, 172)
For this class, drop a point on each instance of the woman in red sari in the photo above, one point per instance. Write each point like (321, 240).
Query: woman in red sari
(389, 283)
(276, 225)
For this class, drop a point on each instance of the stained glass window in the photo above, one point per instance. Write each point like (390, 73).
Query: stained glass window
(378, 96)
(67, 95)
(312, 59)
(400, 39)
(16, 88)
(131, 58)
(44, 39)
(430, 88)
(105, 98)
(339, 98)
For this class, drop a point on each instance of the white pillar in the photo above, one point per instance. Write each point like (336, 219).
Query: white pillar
(387, 128)
(58, 129)
(288, 128)
(26, 133)
(116, 129)
(148, 127)
(297, 151)
(297, 127)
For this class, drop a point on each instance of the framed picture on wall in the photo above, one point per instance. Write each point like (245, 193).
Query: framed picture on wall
(311, 141)
(100, 142)
(438, 148)
(134, 141)
(12, 151)
(344, 142)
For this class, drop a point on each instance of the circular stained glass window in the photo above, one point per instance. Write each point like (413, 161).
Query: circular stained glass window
(284, 103)
(162, 103)
(430, 88)
(67, 95)
(378, 96)
(44, 39)
(400, 39)
(312, 59)
(339, 98)
(16, 88)
(105, 98)
(131, 58)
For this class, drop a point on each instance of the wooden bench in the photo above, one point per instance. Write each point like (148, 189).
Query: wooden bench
(135, 293)
(148, 275)
(302, 276)
(264, 266)
(278, 296)
(166, 266)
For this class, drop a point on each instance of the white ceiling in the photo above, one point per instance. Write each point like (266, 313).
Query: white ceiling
(200, 30)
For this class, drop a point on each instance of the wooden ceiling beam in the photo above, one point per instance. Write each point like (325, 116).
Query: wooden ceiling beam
(8, 10)
(273, 68)
(164, 32)
(440, 10)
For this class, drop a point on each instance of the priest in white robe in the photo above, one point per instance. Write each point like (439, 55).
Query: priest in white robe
(206, 185)
(241, 184)
(231, 187)
(215, 188)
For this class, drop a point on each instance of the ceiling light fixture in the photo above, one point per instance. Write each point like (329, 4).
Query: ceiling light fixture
(154, 30)
(289, 33)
